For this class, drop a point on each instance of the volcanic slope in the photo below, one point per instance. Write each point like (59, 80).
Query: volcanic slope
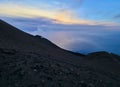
(33, 61)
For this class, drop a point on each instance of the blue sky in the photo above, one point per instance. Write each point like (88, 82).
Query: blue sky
(78, 25)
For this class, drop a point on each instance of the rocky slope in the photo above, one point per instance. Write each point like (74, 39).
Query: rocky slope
(33, 61)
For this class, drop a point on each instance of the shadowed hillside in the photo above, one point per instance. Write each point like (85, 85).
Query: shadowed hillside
(33, 61)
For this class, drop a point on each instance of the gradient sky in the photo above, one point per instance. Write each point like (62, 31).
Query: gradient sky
(78, 25)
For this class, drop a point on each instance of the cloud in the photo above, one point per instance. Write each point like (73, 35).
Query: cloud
(83, 40)
(117, 16)
(68, 17)
(46, 24)
(22, 11)
(60, 16)
(75, 37)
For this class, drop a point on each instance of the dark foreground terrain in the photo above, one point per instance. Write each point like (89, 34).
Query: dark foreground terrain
(33, 61)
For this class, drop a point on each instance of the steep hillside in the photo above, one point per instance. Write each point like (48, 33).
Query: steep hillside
(33, 61)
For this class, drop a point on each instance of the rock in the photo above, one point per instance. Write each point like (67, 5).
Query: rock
(90, 85)
(8, 51)
(83, 84)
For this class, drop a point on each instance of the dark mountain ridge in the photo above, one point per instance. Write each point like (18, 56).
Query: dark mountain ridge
(33, 61)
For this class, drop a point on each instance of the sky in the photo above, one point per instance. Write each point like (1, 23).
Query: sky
(78, 25)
